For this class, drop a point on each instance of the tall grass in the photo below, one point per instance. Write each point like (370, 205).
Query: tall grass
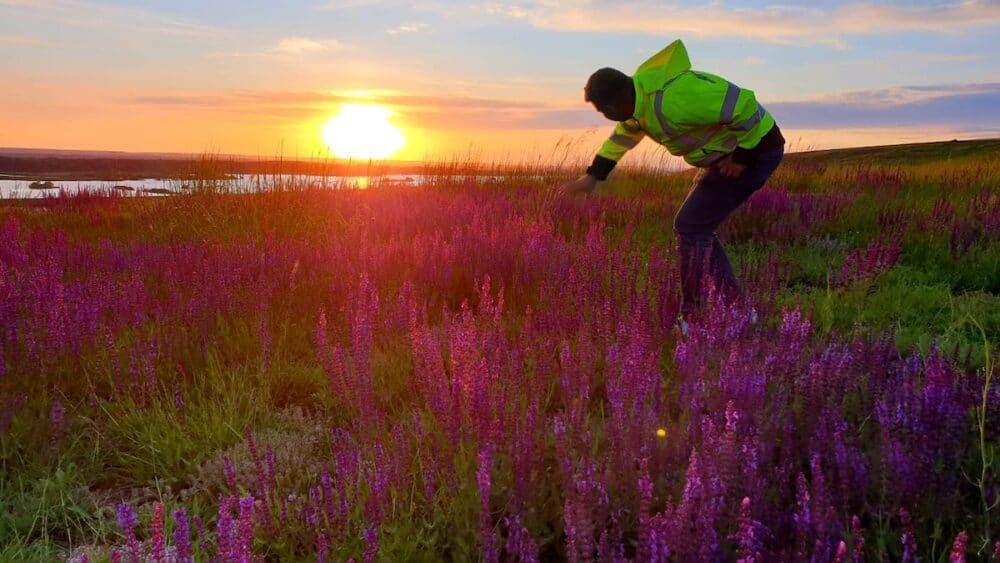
(472, 368)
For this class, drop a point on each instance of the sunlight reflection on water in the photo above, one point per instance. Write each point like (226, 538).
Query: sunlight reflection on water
(240, 183)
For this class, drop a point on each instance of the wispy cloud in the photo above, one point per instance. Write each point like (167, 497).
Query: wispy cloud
(914, 57)
(349, 4)
(775, 23)
(419, 110)
(406, 28)
(81, 13)
(959, 106)
(20, 40)
(288, 47)
(307, 45)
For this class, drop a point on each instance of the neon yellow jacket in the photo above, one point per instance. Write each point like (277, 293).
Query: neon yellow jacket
(694, 114)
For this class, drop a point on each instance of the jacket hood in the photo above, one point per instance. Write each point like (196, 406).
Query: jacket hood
(671, 61)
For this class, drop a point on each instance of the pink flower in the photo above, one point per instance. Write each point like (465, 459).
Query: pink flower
(958, 548)
(157, 540)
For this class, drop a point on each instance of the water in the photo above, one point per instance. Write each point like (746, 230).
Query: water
(234, 183)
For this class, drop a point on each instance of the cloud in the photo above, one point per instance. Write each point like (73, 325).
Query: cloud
(418, 110)
(80, 13)
(288, 47)
(960, 107)
(773, 23)
(20, 40)
(913, 57)
(406, 28)
(967, 107)
(306, 45)
(349, 4)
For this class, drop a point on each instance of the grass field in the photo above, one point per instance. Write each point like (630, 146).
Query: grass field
(478, 370)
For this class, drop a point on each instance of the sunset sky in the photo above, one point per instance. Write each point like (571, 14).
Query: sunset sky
(476, 79)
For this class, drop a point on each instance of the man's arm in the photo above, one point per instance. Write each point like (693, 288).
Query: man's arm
(624, 138)
(747, 113)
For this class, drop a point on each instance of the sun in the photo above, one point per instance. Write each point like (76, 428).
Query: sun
(363, 131)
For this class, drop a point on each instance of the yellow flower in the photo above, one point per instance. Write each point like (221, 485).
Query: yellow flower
(662, 433)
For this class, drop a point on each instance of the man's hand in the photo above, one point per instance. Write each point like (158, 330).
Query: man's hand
(729, 167)
(585, 184)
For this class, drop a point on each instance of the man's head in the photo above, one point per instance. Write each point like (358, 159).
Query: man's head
(612, 93)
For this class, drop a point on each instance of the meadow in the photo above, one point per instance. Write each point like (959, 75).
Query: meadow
(477, 370)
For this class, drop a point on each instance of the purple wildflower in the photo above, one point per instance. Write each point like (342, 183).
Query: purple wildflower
(371, 541)
(224, 540)
(747, 540)
(859, 540)
(157, 541)
(178, 397)
(230, 473)
(908, 538)
(490, 549)
(127, 520)
(958, 548)
(841, 555)
(244, 531)
(58, 418)
(182, 537)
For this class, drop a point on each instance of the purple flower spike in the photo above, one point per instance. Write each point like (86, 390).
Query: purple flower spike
(57, 414)
(178, 397)
(230, 472)
(244, 531)
(841, 553)
(225, 548)
(157, 540)
(182, 537)
(371, 541)
(490, 549)
(858, 553)
(908, 538)
(958, 548)
(128, 520)
(747, 539)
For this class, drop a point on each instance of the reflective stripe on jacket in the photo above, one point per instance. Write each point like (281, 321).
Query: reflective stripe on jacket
(694, 114)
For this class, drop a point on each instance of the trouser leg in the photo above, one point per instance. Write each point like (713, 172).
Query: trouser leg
(712, 199)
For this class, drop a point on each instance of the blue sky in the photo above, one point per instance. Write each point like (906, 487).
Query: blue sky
(845, 70)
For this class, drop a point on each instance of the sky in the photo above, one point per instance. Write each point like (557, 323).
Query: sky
(490, 80)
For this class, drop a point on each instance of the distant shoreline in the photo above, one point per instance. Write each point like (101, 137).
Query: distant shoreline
(56, 165)
(42, 168)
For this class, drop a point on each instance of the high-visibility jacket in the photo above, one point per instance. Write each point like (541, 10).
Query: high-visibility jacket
(694, 114)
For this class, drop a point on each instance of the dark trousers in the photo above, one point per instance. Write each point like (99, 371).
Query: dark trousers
(711, 200)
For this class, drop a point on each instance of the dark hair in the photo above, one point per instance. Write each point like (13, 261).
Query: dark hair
(606, 85)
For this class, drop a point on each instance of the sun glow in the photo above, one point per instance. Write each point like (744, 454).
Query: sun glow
(362, 131)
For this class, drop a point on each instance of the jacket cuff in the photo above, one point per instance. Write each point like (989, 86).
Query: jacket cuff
(601, 167)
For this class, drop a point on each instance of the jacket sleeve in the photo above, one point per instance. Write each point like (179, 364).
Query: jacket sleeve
(623, 139)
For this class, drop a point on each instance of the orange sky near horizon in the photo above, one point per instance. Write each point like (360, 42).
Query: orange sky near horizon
(104, 126)
(491, 82)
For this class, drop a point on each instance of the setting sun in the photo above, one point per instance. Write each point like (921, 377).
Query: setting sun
(362, 131)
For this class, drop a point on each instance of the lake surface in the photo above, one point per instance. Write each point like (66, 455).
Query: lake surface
(235, 183)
